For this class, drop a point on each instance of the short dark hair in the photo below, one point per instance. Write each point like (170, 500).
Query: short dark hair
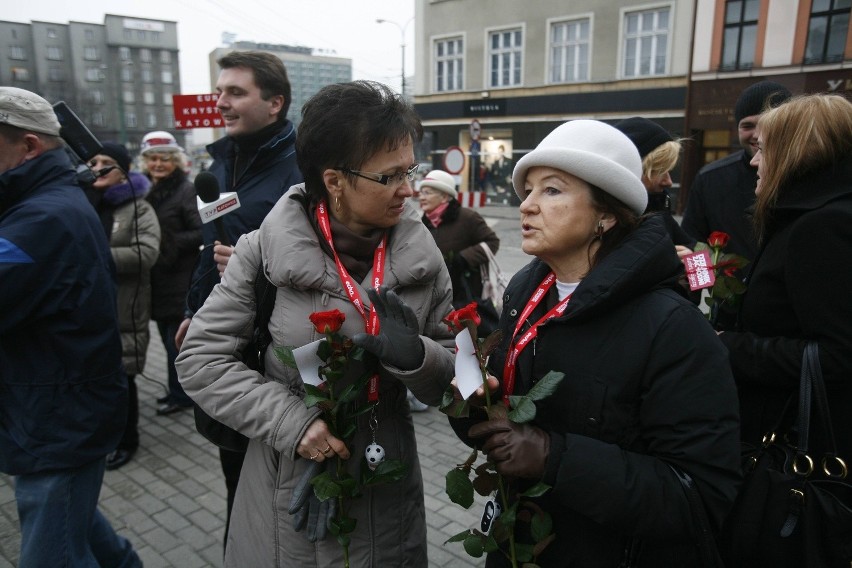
(346, 124)
(269, 72)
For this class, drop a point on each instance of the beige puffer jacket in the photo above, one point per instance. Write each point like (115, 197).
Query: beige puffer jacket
(390, 518)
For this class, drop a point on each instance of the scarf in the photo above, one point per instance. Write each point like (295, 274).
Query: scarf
(436, 216)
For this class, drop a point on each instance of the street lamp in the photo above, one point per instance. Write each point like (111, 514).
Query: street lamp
(402, 36)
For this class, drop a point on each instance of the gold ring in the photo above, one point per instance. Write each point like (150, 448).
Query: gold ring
(327, 449)
(316, 455)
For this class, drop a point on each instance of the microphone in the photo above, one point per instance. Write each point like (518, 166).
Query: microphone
(212, 205)
(104, 171)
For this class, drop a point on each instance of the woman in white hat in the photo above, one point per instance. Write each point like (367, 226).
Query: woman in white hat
(173, 198)
(647, 395)
(458, 232)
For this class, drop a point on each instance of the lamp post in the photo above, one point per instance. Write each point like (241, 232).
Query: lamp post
(402, 37)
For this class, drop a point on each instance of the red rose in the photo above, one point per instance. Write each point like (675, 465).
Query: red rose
(718, 239)
(468, 313)
(327, 322)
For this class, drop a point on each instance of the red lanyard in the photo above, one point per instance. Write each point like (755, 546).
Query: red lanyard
(371, 322)
(510, 365)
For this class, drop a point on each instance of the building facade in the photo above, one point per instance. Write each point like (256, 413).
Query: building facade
(118, 76)
(308, 69)
(495, 76)
(509, 72)
(806, 45)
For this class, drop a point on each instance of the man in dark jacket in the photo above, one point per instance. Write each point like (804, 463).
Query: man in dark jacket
(722, 195)
(256, 159)
(723, 191)
(63, 399)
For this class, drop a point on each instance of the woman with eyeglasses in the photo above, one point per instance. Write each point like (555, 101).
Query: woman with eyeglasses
(131, 225)
(347, 239)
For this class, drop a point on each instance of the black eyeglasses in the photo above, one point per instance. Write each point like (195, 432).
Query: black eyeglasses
(392, 180)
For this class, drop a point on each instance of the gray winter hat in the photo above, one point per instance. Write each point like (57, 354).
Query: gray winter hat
(27, 111)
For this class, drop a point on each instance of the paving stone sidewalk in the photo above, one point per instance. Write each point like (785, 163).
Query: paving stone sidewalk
(170, 499)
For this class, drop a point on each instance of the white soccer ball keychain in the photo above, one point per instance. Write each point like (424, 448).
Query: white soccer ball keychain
(374, 454)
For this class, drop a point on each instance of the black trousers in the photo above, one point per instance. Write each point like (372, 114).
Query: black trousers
(130, 438)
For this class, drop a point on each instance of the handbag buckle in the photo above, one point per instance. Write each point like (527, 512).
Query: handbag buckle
(806, 468)
(843, 469)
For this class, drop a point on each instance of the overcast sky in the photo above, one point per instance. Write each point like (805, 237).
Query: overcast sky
(346, 26)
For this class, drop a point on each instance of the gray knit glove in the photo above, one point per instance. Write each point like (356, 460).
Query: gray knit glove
(398, 343)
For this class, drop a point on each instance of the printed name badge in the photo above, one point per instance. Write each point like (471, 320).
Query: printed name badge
(699, 270)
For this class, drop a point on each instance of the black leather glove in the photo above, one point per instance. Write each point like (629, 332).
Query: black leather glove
(517, 450)
(398, 343)
(309, 514)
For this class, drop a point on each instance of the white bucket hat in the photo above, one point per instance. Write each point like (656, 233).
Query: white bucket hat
(159, 141)
(595, 152)
(442, 181)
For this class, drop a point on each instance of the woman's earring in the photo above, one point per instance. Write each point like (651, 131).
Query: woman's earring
(599, 231)
(337, 204)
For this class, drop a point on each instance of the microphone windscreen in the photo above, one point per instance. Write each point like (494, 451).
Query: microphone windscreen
(207, 187)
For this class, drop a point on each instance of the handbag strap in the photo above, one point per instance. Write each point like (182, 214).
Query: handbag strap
(804, 419)
(265, 300)
(820, 396)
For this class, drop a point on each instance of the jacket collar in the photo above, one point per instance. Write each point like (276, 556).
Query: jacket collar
(645, 261)
(53, 165)
(299, 261)
(223, 148)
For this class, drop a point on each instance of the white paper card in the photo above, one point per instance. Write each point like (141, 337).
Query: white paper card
(308, 363)
(468, 374)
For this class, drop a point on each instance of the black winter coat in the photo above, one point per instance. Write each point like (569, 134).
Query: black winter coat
(174, 200)
(720, 199)
(799, 290)
(269, 173)
(647, 384)
(458, 237)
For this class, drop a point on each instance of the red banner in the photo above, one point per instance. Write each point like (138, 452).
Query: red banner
(196, 111)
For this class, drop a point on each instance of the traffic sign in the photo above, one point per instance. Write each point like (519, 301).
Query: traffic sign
(475, 129)
(454, 160)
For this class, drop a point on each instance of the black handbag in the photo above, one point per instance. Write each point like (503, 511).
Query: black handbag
(782, 517)
(224, 436)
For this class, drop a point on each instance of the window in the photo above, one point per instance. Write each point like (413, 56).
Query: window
(130, 119)
(94, 74)
(504, 54)
(166, 76)
(126, 74)
(148, 97)
(147, 76)
(54, 53)
(449, 65)
(96, 96)
(646, 41)
(20, 74)
(140, 34)
(90, 53)
(128, 96)
(740, 35)
(165, 56)
(167, 98)
(827, 30)
(128, 34)
(90, 35)
(51, 33)
(17, 52)
(150, 120)
(55, 74)
(569, 51)
(98, 119)
(145, 55)
(124, 53)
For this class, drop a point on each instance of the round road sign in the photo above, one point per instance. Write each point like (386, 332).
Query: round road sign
(454, 160)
